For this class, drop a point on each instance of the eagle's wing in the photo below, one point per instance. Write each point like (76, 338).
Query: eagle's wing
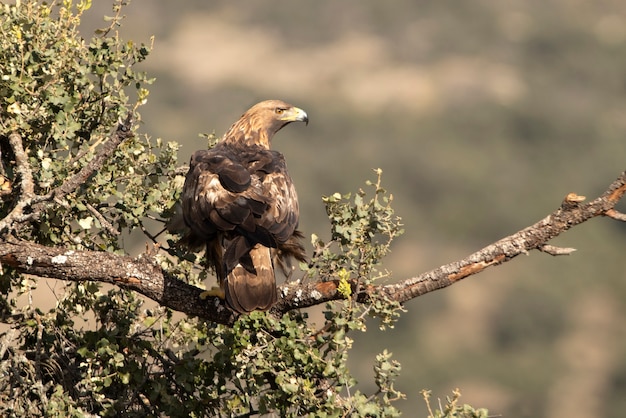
(215, 196)
(281, 216)
(245, 194)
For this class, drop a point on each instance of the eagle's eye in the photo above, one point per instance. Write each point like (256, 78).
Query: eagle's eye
(279, 110)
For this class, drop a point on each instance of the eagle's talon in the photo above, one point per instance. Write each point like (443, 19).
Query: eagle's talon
(215, 291)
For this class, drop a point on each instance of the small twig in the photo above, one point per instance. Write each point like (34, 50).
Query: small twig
(70, 184)
(151, 237)
(105, 224)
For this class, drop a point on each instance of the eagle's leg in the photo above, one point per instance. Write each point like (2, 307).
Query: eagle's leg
(214, 291)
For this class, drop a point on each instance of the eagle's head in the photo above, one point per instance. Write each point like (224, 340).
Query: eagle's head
(259, 124)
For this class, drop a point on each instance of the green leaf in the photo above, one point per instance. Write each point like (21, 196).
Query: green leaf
(86, 223)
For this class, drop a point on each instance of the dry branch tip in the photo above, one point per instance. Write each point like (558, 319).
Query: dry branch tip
(617, 215)
(554, 250)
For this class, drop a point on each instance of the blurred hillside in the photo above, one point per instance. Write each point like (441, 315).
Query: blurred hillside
(483, 116)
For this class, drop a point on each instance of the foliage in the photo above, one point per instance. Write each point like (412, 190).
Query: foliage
(452, 409)
(64, 96)
(362, 232)
(103, 351)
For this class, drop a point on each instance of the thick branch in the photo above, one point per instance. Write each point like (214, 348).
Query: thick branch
(146, 277)
(27, 185)
(142, 275)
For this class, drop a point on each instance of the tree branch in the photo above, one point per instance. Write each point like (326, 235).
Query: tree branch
(140, 274)
(27, 185)
(569, 214)
(29, 199)
(70, 184)
(144, 275)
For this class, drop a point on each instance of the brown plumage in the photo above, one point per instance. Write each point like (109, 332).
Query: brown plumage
(239, 201)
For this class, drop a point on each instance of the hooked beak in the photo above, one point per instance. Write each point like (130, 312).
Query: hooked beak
(295, 114)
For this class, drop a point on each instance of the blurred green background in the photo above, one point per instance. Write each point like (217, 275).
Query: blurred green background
(483, 115)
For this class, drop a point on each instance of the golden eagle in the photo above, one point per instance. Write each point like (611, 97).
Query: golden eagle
(239, 201)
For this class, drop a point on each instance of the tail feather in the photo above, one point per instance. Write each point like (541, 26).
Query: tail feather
(246, 291)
